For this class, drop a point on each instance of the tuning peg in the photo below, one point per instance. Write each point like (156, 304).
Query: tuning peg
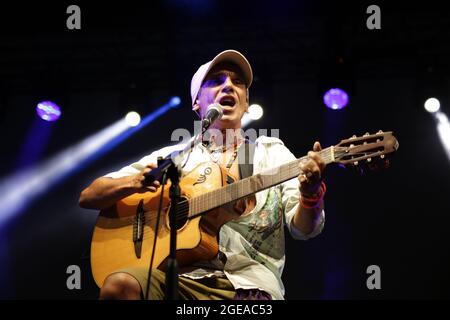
(369, 159)
(353, 137)
(380, 131)
(355, 163)
(382, 156)
(367, 134)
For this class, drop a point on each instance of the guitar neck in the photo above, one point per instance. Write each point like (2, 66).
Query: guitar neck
(253, 184)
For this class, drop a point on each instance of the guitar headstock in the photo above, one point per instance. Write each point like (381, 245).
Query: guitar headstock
(370, 150)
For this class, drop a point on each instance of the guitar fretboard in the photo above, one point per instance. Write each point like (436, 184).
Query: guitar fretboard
(245, 187)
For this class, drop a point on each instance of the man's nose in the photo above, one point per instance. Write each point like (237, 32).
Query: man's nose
(227, 85)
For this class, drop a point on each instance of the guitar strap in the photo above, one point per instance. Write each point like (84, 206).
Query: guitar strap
(245, 158)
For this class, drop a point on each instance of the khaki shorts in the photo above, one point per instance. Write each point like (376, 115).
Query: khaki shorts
(213, 288)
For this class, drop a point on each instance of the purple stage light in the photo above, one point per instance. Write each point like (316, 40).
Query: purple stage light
(48, 111)
(335, 99)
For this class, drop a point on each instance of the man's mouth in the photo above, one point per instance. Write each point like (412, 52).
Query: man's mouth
(227, 101)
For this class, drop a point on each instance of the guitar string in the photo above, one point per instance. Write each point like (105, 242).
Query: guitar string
(326, 153)
(183, 206)
(185, 203)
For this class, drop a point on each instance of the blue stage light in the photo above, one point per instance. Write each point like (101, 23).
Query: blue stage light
(335, 98)
(174, 102)
(48, 111)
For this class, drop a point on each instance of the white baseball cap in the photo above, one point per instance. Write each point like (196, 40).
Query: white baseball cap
(227, 55)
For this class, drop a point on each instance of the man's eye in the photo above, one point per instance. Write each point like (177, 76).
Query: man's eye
(238, 81)
(213, 82)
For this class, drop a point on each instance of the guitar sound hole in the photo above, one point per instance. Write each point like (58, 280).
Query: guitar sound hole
(182, 214)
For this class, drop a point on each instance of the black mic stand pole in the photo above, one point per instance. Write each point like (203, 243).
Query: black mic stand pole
(172, 263)
(168, 166)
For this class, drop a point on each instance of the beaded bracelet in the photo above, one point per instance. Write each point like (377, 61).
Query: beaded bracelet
(312, 202)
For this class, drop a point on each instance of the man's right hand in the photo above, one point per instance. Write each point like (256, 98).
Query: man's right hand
(105, 192)
(138, 181)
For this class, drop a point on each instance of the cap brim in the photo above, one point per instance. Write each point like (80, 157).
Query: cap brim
(237, 58)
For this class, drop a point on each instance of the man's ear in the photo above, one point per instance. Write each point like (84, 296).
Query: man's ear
(196, 109)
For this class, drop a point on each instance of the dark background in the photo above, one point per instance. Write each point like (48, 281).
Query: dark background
(136, 53)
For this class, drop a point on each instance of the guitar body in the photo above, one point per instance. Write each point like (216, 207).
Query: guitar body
(113, 248)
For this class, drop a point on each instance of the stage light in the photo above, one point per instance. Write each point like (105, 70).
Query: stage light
(443, 128)
(48, 111)
(174, 102)
(255, 112)
(133, 118)
(335, 99)
(19, 189)
(432, 105)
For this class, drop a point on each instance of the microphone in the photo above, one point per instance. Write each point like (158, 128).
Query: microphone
(213, 112)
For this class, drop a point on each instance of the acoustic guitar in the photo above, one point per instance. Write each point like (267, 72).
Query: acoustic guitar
(124, 234)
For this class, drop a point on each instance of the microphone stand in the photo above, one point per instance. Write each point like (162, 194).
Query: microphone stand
(169, 167)
(172, 263)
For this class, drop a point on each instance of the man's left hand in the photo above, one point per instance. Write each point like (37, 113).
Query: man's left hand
(311, 171)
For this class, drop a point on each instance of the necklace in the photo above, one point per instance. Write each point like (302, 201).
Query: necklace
(216, 153)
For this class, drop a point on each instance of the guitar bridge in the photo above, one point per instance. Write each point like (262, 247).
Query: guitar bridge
(138, 229)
